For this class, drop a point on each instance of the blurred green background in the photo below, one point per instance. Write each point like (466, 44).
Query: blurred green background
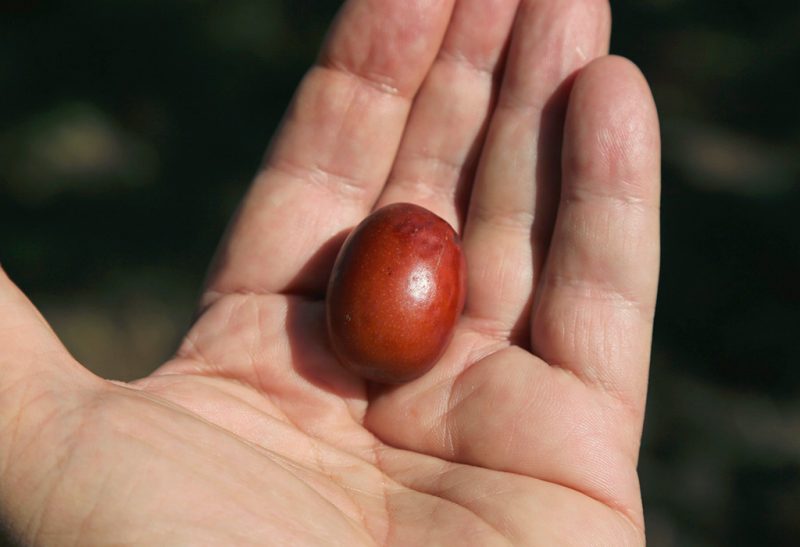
(130, 129)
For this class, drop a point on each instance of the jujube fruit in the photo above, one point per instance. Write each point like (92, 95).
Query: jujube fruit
(395, 294)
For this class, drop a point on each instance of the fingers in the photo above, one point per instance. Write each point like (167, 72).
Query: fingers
(436, 160)
(335, 149)
(597, 295)
(511, 208)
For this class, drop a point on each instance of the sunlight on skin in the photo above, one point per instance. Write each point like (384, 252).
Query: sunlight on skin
(526, 433)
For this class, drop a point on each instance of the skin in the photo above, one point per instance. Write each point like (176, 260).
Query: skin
(528, 430)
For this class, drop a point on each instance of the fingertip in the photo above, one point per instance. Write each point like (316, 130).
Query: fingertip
(612, 129)
(615, 72)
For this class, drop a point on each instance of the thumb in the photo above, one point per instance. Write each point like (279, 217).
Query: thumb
(37, 374)
(30, 352)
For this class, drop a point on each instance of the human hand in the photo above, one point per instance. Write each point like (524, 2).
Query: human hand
(526, 432)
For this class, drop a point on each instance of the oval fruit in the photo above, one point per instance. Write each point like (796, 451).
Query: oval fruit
(395, 294)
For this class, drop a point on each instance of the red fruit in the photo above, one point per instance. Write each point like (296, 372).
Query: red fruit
(395, 294)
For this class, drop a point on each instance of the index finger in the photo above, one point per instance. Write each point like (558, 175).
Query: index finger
(333, 153)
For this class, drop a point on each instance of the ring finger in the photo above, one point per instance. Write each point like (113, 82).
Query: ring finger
(516, 188)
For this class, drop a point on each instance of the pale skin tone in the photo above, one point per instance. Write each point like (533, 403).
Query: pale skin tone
(508, 119)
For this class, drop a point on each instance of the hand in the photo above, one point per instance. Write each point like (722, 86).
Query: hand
(508, 121)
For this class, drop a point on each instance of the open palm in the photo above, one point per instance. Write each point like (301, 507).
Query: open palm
(505, 118)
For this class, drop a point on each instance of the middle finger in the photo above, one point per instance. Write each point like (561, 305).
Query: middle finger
(437, 156)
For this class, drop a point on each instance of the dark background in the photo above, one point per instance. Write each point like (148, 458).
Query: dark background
(130, 129)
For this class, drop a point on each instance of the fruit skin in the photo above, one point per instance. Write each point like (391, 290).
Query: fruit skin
(395, 294)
